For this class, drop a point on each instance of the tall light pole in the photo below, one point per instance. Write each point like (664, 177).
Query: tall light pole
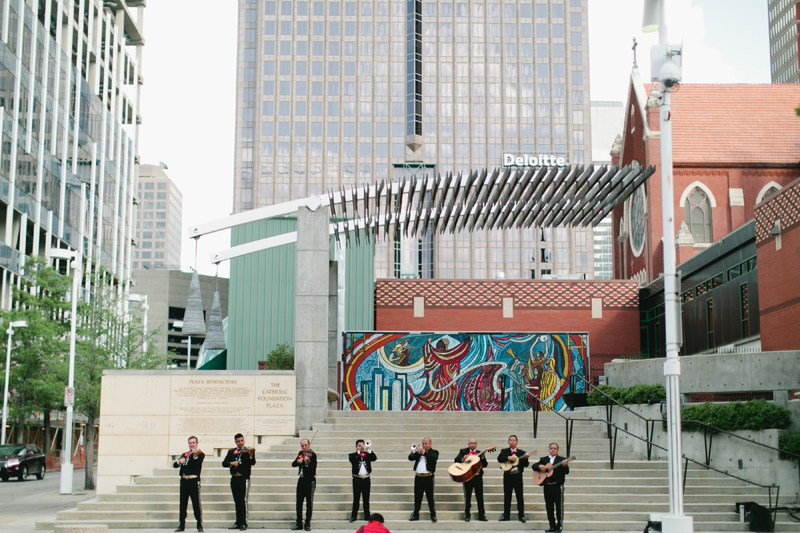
(145, 307)
(10, 331)
(666, 70)
(69, 392)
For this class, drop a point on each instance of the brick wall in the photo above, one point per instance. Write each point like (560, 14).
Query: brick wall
(538, 305)
(779, 270)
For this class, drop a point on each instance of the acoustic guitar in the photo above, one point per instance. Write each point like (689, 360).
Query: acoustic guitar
(514, 461)
(539, 477)
(463, 472)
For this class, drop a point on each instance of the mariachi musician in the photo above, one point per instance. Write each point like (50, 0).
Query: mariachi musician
(306, 464)
(361, 460)
(476, 483)
(190, 465)
(517, 460)
(240, 460)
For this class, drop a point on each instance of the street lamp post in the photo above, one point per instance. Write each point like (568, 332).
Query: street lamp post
(666, 70)
(66, 465)
(10, 331)
(145, 307)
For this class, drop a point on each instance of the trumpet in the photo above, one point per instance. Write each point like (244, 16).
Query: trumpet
(368, 446)
(415, 447)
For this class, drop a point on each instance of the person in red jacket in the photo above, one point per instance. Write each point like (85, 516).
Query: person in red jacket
(375, 525)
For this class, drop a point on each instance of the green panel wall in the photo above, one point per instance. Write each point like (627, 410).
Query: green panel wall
(261, 293)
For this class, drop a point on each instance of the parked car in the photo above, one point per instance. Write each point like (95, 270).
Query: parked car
(20, 461)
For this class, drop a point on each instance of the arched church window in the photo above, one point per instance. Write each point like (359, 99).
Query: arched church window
(771, 191)
(698, 215)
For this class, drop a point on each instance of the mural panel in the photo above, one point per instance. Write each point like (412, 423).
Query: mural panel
(461, 371)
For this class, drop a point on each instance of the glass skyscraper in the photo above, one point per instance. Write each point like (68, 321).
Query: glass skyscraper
(338, 94)
(69, 109)
(159, 218)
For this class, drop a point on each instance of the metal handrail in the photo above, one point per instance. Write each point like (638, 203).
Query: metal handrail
(608, 397)
(753, 441)
(613, 445)
(649, 422)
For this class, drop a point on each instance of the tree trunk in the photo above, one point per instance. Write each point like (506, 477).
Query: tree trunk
(47, 437)
(20, 431)
(88, 444)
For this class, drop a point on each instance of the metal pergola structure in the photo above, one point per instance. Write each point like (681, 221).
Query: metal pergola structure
(512, 197)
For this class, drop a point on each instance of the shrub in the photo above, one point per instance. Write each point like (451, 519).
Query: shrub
(280, 358)
(791, 443)
(627, 395)
(753, 415)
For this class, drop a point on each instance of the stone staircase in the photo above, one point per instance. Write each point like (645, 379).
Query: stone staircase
(596, 497)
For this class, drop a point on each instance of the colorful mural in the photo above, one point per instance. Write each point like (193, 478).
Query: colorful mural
(461, 371)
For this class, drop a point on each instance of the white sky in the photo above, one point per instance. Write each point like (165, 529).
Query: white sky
(188, 98)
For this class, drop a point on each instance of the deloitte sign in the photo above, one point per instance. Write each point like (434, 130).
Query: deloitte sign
(543, 160)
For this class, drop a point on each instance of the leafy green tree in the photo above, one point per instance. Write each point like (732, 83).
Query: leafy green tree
(108, 340)
(38, 367)
(280, 358)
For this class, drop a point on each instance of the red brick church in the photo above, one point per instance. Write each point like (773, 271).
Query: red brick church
(733, 146)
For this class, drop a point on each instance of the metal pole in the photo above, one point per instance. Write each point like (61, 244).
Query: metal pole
(10, 332)
(66, 466)
(676, 522)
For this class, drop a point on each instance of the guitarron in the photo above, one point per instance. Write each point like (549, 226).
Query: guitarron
(463, 472)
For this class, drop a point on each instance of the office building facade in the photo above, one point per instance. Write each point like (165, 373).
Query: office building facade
(783, 41)
(158, 220)
(339, 94)
(608, 119)
(70, 93)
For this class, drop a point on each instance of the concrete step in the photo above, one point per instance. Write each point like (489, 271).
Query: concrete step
(391, 470)
(443, 482)
(280, 526)
(495, 506)
(578, 495)
(615, 488)
(597, 498)
(534, 512)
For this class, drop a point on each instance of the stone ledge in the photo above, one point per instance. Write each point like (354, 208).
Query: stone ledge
(78, 528)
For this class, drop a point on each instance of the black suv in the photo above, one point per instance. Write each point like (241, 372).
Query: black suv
(20, 461)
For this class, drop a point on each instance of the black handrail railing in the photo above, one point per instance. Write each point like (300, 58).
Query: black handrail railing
(613, 444)
(650, 423)
(707, 427)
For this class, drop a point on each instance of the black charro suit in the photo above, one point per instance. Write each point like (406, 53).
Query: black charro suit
(512, 481)
(361, 485)
(424, 483)
(240, 481)
(306, 486)
(554, 491)
(476, 484)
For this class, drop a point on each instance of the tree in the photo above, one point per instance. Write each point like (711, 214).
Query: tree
(280, 358)
(39, 370)
(107, 340)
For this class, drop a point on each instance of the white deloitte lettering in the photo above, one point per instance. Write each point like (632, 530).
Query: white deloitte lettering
(526, 160)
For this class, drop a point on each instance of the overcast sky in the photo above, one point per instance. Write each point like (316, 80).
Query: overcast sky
(188, 98)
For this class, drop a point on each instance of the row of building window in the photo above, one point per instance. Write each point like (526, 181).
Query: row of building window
(366, 131)
(719, 279)
(347, 150)
(381, 49)
(446, 9)
(300, 28)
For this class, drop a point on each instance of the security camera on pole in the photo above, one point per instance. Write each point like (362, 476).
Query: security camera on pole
(69, 392)
(666, 70)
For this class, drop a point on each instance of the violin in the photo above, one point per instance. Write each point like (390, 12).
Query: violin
(191, 453)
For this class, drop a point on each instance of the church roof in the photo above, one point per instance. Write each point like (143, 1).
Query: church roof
(735, 124)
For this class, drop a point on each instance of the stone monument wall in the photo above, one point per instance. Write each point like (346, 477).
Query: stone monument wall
(146, 417)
